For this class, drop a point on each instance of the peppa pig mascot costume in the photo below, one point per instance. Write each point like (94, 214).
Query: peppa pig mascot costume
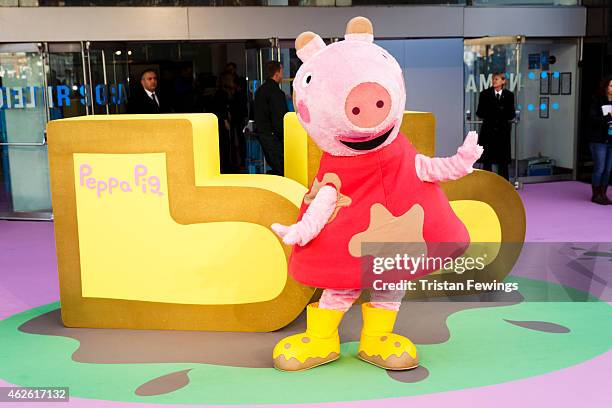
(372, 186)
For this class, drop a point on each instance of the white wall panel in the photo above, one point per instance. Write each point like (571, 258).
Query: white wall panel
(529, 21)
(22, 24)
(289, 22)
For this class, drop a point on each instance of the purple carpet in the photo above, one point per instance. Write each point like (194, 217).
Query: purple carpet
(560, 218)
(28, 266)
(562, 212)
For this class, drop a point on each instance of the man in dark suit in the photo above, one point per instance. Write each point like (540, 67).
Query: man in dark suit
(146, 99)
(270, 108)
(496, 109)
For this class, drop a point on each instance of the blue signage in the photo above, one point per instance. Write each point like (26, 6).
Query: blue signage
(60, 96)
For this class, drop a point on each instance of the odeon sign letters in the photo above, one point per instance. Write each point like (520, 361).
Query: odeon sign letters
(58, 96)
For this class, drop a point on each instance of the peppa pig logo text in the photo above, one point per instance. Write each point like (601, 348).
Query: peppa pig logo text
(140, 183)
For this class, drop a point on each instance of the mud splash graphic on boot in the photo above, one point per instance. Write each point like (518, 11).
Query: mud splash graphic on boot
(293, 364)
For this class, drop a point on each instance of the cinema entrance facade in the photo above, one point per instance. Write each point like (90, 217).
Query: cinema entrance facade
(49, 73)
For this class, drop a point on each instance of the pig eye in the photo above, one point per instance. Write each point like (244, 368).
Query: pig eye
(306, 80)
(385, 56)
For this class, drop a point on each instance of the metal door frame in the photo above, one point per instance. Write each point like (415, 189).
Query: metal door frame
(42, 49)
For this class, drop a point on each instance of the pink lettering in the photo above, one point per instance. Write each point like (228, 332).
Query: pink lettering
(139, 171)
(112, 183)
(101, 187)
(155, 185)
(84, 171)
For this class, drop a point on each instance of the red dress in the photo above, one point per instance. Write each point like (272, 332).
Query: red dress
(380, 199)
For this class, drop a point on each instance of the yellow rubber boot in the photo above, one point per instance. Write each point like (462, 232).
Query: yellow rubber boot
(320, 343)
(381, 347)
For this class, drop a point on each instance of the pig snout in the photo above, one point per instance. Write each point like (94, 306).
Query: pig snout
(367, 105)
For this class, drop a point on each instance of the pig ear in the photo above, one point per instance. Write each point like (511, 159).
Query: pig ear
(359, 29)
(308, 44)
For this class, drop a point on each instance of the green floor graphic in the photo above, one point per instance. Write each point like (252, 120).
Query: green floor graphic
(483, 349)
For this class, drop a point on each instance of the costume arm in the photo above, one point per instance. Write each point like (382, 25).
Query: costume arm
(449, 168)
(313, 220)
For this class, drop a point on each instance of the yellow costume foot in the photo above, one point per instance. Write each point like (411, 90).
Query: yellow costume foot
(320, 343)
(381, 347)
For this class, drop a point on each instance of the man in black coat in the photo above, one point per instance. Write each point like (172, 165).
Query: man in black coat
(496, 109)
(145, 99)
(270, 108)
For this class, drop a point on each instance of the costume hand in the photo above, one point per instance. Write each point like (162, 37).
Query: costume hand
(291, 234)
(313, 221)
(470, 151)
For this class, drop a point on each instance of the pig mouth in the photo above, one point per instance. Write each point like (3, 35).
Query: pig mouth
(369, 144)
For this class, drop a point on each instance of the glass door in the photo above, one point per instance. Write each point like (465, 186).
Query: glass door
(24, 112)
(291, 64)
(549, 125)
(257, 53)
(108, 76)
(482, 57)
(41, 82)
(67, 82)
(88, 78)
(260, 52)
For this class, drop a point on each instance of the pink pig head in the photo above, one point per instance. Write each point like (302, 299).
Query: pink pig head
(349, 95)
